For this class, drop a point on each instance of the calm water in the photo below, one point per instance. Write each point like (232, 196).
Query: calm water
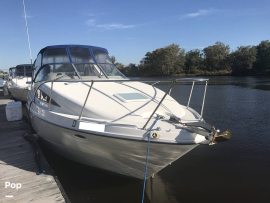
(233, 171)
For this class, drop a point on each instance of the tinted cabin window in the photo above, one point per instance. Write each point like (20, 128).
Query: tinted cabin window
(81, 55)
(55, 55)
(19, 71)
(28, 71)
(44, 98)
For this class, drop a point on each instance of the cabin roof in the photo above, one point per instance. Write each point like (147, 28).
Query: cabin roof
(22, 65)
(71, 45)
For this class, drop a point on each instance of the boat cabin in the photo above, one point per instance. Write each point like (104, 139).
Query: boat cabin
(22, 70)
(74, 62)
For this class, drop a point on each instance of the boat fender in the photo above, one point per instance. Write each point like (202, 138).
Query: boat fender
(155, 135)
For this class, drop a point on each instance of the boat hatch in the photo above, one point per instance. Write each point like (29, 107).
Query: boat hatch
(133, 96)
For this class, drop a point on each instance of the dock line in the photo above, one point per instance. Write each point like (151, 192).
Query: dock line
(32, 139)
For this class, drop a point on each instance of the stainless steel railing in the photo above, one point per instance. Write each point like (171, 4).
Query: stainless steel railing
(172, 82)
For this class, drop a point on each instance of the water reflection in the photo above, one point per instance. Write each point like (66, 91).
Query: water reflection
(262, 83)
(158, 192)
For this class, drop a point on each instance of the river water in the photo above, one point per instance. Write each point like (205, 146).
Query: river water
(233, 171)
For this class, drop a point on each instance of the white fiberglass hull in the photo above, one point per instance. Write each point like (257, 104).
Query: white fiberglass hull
(92, 114)
(122, 156)
(18, 93)
(110, 133)
(19, 88)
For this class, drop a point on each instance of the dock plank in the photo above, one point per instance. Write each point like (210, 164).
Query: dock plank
(17, 165)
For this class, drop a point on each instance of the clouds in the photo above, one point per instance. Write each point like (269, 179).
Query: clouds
(115, 26)
(93, 23)
(199, 13)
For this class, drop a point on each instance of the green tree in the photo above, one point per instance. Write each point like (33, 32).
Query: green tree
(193, 61)
(242, 60)
(131, 70)
(262, 64)
(216, 57)
(163, 61)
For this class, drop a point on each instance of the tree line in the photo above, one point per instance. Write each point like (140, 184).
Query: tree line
(215, 59)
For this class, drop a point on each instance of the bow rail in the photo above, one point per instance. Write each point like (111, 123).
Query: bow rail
(172, 83)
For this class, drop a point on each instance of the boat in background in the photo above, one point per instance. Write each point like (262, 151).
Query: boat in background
(88, 111)
(19, 81)
(2, 83)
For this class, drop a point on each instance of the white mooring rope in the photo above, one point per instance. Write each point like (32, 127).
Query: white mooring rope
(27, 31)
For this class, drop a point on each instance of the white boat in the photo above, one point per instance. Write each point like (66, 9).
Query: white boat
(91, 113)
(2, 83)
(18, 82)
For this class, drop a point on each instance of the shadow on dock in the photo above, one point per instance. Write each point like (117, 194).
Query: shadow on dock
(14, 135)
(23, 164)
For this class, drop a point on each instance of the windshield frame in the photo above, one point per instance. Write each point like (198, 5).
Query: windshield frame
(102, 72)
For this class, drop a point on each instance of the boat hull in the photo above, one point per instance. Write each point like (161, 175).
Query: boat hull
(19, 93)
(122, 156)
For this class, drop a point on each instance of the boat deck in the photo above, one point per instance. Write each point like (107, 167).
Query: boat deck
(20, 177)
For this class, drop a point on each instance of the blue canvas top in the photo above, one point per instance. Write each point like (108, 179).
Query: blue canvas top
(74, 61)
(71, 45)
(23, 65)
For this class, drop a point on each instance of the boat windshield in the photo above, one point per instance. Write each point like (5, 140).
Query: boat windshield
(56, 71)
(77, 62)
(23, 71)
(103, 60)
(97, 63)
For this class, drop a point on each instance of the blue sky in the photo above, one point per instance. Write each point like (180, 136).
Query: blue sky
(129, 29)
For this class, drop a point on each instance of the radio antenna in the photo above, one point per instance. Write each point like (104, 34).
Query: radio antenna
(27, 31)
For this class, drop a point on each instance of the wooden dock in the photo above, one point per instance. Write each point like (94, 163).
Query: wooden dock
(20, 180)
